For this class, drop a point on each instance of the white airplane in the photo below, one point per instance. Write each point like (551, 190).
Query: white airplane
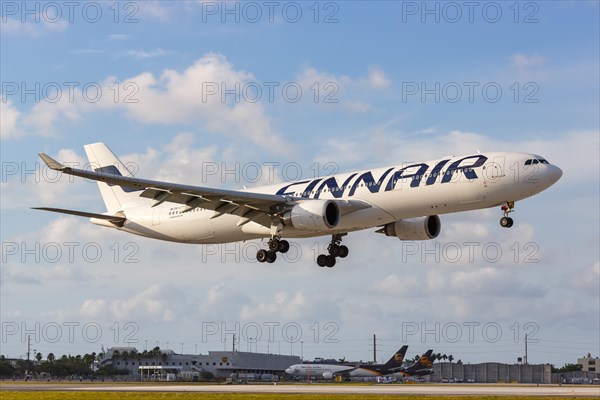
(329, 371)
(402, 201)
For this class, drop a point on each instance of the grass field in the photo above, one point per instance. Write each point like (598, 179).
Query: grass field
(60, 395)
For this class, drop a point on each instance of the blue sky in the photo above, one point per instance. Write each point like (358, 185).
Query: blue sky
(395, 84)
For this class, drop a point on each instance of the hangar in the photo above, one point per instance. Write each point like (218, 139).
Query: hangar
(221, 364)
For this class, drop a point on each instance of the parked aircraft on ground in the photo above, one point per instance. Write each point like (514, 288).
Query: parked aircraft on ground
(329, 371)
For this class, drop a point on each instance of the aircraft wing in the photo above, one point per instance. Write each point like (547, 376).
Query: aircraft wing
(249, 206)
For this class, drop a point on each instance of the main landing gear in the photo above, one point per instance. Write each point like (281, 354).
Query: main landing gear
(275, 245)
(507, 207)
(335, 249)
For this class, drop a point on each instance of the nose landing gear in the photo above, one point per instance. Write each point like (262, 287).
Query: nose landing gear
(507, 207)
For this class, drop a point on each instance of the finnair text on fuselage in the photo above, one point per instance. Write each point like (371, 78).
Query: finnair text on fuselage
(388, 180)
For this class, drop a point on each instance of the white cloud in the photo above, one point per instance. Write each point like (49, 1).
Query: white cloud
(35, 184)
(586, 279)
(159, 302)
(153, 9)
(377, 78)
(526, 61)
(329, 90)
(9, 123)
(31, 28)
(403, 286)
(118, 36)
(141, 54)
(177, 97)
(172, 98)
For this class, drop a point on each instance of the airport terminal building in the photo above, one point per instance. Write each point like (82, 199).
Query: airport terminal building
(222, 364)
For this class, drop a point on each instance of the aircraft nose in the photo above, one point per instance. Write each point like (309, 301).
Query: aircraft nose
(288, 371)
(554, 174)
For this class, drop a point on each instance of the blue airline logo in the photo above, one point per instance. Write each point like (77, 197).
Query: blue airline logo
(337, 189)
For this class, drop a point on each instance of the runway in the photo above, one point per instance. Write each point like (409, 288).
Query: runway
(430, 389)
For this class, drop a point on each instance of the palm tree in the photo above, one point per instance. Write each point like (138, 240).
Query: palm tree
(445, 357)
(50, 357)
(450, 358)
(38, 357)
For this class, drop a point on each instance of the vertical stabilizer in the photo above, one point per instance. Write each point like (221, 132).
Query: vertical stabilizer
(397, 359)
(115, 197)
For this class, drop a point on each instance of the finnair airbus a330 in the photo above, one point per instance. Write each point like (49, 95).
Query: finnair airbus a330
(402, 201)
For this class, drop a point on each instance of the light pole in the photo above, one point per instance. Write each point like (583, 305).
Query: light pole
(302, 350)
(291, 345)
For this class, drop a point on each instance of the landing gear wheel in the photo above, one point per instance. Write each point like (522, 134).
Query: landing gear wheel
(262, 255)
(334, 250)
(274, 245)
(322, 260)
(330, 261)
(506, 222)
(271, 257)
(343, 251)
(284, 246)
(507, 207)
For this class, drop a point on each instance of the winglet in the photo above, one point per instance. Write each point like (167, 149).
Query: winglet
(51, 162)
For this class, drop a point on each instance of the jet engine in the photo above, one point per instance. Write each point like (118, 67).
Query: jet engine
(314, 215)
(422, 228)
(328, 375)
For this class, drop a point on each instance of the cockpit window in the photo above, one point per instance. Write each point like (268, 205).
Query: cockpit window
(544, 161)
(536, 162)
(528, 162)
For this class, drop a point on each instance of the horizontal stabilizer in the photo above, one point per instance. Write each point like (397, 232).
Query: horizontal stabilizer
(51, 162)
(112, 218)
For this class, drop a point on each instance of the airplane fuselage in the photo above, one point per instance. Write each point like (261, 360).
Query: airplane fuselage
(410, 190)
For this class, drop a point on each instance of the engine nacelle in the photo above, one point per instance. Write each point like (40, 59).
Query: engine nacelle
(328, 375)
(423, 228)
(314, 215)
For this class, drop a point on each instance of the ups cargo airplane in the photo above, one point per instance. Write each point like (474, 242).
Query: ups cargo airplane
(423, 366)
(402, 201)
(329, 371)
